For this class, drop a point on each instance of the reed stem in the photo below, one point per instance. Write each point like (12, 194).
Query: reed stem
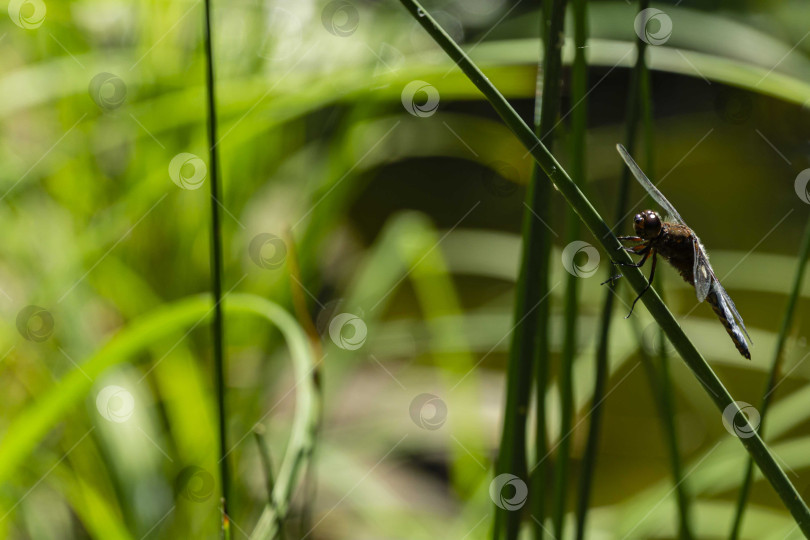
(217, 327)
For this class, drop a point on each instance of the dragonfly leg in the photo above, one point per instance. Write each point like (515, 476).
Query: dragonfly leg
(649, 282)
(611, 279)
(628, 238)
(645, 251)
(637, 249)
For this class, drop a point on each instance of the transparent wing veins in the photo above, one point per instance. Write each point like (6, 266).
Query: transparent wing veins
(708, 282)
(648, 185)
(702, 272)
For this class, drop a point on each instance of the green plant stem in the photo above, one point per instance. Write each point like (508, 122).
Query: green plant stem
(267, 466)
(33, 423)
(529, 347)
(671, 435)
(553, 33)
(776, 369)
(305, 320)
(601, 361)
(665, 396)
(588, 214)
(217, 328)
(660, 385)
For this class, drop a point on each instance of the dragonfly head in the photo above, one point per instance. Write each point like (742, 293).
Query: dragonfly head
(647, 224)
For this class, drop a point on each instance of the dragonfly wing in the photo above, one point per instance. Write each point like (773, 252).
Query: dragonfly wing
(726, 301)
(706, 282)
(648, 185)
(702, 272)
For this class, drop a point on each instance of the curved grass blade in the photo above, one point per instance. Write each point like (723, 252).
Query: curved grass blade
(31, 425)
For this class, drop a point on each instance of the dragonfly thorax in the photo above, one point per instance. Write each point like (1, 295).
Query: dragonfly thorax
(647, 224)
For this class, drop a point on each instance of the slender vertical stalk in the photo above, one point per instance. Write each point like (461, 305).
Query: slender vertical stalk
(601, 364)
(671, 436)
(217, 328)
(269, 477)
(305, 320)
(554, 24)
(529, 347)
(703, 372)
(776, 369)
(662, 387)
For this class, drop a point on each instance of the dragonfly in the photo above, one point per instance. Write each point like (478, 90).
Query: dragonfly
(679, 245)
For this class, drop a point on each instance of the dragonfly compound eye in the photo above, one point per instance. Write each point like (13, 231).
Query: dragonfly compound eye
(652, 224)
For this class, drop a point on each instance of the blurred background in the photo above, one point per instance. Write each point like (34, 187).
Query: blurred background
(351, 145)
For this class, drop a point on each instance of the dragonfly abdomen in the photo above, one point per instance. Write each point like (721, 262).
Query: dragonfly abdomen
(725, 316)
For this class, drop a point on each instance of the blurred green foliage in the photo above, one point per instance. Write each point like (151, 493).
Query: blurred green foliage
(410, 223)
